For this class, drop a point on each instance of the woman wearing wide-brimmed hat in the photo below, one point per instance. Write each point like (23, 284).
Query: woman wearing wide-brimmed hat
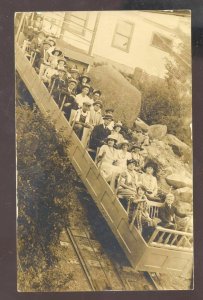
(82, 97)
(82, 80)
(135, 152)
(149, 181)
(116, 132)
(108, 158)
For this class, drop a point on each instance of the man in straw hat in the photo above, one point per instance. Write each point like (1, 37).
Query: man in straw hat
(82, 122)
(95, 113)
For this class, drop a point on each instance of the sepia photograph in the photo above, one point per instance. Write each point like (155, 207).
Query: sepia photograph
(104, 170)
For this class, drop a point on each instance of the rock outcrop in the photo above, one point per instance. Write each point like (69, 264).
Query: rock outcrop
(117, 93)
(157, 131)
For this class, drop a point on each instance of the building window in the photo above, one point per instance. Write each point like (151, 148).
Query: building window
(161, 42)
(76, 22)
(123, 35)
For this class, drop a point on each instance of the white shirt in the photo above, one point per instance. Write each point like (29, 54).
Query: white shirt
(80, 99)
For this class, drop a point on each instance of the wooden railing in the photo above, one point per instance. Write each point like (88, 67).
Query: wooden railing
(171, 239)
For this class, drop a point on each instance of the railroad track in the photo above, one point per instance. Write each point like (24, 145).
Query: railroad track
(101, 273)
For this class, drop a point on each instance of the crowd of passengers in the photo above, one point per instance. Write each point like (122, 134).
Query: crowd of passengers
(119, 152)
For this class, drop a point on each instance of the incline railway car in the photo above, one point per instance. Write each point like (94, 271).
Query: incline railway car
(167, 250)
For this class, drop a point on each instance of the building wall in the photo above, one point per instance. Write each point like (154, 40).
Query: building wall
(141, 53)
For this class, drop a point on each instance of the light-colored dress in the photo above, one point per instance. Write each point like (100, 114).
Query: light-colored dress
(109, 155)
(123, 157)
(150, 183)
(129, 178)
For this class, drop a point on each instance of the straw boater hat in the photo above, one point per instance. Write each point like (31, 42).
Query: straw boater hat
(131, 161)
(124, 142)
(111, 137)
(118, 124)
(98, 102)
(72, 80)
(62, 59)
(50, 39)
(56, 50)
(47, 42)
(86, 85)
(97, 92)
(87, 103)
(85, 76)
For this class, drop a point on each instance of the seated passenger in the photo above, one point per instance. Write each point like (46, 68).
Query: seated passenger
(149, 181)
(138, 137)
(55, 56)
(82, 97)
(110, 111)
(95, 113)
(135, 152)
(44, 57)
(58, 83)
(142, 220)
(127, 184)
(96, 94)
(134, 204)
(123, 154)
(50, 71)
(108, 158)
(82, 119)
(116, 132)
(35, 47)
(83, 80)
(100, 133)
(68, 99)
(168, 212)
(74, 73)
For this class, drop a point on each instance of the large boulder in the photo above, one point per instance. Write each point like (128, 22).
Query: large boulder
(178, 146)
(157, 131)
(117, 93)
(184, 194)
(141, 124)
(179, 181)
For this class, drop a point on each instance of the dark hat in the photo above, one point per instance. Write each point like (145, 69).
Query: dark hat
(87, 103)
(85, 85)
(131, 161)
(85, 76)
(50, 39)
(97, 92)
(47, 42)
(74, 70)
(62, 59)
(118, 124)
(109, 110)
(58, 50)
(111, 137)
(136, 147)
(72, 80)
(108, 117)
(98, 102)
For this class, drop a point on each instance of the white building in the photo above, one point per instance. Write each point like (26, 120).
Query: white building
(128, 39)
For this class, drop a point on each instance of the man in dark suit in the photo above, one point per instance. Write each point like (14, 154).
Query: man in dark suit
(168, 212)
(100, 133)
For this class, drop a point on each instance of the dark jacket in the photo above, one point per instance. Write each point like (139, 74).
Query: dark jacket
(167, 214)
(99, 133)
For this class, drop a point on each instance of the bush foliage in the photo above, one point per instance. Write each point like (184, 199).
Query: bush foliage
(44, 183)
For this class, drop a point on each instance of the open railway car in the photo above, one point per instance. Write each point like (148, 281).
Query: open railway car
(156, 255)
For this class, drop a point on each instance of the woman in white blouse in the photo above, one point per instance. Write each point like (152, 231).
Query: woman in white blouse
(108, 159)
(149, 181)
